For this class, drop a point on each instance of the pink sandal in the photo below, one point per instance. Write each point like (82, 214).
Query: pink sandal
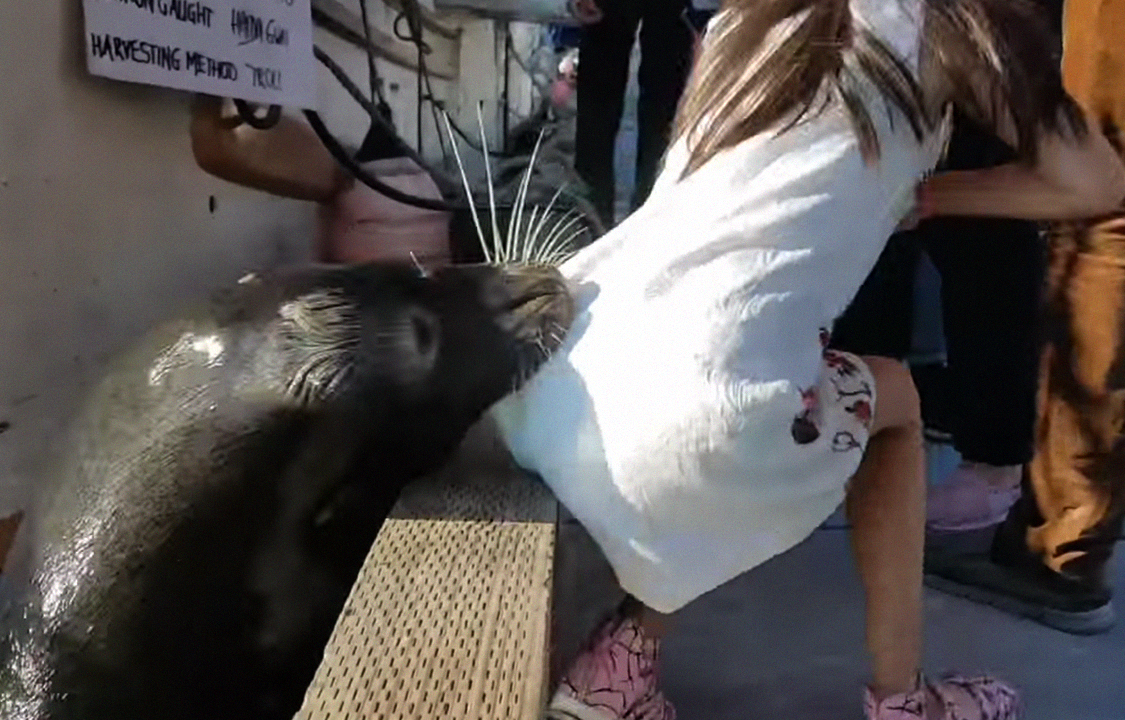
(961, 698)
(975, 496)
(614, 679)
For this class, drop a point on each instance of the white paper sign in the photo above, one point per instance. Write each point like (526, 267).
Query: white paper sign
(256, 50)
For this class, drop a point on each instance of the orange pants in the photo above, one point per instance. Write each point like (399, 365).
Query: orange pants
(1078, 473)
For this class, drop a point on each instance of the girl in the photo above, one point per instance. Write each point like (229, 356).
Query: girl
(694, 421)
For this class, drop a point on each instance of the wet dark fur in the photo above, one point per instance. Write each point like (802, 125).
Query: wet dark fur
(201, 533)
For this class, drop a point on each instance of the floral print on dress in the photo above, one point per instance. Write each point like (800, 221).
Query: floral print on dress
(852, 390)
(804, 428)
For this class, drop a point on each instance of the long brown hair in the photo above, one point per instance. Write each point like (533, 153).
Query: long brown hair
(769, 64)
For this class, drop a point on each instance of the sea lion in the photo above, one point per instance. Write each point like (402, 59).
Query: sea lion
(221, 488)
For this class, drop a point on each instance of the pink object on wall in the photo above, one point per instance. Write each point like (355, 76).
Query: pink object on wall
(361, 225)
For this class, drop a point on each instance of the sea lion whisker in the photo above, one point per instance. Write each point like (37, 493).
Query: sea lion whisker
(528, 238)
(468, 190)
(496, 241)
(547, 245)
(521, 199)
(566, 250)
(518, 376)
(563, 250)
(527, 251)
(557, 259)
(317, 378)
(543, 219)
(553, 242)
(527, 370)
(514, 236)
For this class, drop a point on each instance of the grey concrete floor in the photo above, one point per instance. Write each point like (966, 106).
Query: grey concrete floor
(785, 641)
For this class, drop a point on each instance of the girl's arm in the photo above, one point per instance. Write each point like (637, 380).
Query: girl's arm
(1076, 175)
(1073, 178)
(287, 160)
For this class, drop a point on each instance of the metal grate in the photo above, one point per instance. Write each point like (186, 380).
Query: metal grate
(451, 613)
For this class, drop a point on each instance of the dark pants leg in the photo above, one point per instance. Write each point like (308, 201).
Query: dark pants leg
(603, 74)
(879, 319)
(992, 273)
(1074, 515)
(992, 276)
(666, 52)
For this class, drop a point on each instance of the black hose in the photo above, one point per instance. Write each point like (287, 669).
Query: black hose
(246, 114)
(361, 99)
(443, 183)
(372, 74)
(411, 13)
(347, 161)
(341, 156)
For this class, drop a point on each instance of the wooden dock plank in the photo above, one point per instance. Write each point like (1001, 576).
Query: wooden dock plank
(451, 614)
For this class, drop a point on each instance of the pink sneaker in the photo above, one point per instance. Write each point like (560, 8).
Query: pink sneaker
(614, 679)
(975, 496)
(959, 698)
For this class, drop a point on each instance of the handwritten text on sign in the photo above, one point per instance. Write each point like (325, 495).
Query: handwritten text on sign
(257, 50)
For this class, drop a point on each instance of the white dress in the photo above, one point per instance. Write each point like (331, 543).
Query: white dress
(692, 421)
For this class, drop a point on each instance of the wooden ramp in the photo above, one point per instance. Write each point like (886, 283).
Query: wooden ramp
(451, 616)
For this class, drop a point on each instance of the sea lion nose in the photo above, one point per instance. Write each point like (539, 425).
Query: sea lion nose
(538, 306)
(530, 282)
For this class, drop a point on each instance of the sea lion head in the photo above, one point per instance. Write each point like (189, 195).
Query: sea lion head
(394, 336)
(484, 329)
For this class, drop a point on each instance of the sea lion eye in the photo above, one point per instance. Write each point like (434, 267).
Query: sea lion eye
(424, 332)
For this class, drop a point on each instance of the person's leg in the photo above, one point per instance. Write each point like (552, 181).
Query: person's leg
(1075, 496)
(603, 73)
(992, 277)
(879, 319)
(992, 274)
(1078, 474)
(1049, 557)
(886, 505)
(666, 56)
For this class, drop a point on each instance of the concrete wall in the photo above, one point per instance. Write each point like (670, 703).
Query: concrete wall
(106, 223)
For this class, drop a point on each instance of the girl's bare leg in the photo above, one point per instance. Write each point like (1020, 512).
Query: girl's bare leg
(886, 505)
